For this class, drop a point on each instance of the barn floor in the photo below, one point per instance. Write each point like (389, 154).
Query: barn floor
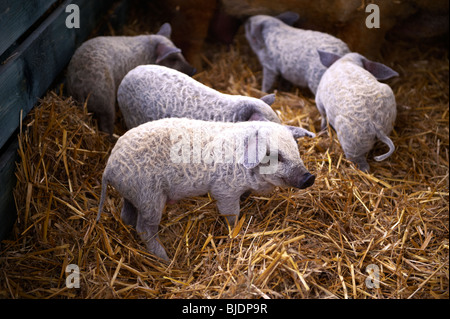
(321, 242)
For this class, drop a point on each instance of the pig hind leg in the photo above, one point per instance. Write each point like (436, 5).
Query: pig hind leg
(100, 93)
(104, 110)
(356, 146)
(129, 213)
(147, 224)
(361, 163)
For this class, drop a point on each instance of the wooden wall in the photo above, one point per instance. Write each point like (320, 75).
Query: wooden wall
(35, 47)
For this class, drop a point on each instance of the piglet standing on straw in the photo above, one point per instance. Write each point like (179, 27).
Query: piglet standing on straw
(99, 64)
(152, 92)
(288, 51)
(357, 106)
(171, 159)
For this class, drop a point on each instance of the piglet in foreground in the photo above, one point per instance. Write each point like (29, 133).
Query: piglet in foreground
(99, 64)
(357, 106)
(288, 51)
(152, 92)
(171, 159)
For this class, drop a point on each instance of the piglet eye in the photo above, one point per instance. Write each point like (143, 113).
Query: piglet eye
(280, 158)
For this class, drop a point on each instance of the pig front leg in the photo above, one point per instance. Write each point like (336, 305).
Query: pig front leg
(229, 208)
(323, 115)
(269, 78)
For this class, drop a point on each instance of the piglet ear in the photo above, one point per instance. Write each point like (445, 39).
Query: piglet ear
(253, 33)
(163, 51)
(288, 17)
(328, 58)
(165, 30)
(268, 99)
(378, 70)
(300, 132)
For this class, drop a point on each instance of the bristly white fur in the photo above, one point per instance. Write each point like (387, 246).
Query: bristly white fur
(152, 92)
(289, 52)
(358, 107)
(142, 169)
(99, 64)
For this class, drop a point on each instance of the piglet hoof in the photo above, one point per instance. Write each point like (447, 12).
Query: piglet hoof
(362, 165)
(231, 219)
(158, 250)
(153, 244)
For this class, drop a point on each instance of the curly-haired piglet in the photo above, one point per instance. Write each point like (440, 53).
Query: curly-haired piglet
(99, 64)
(171, 159)
(357, 106)
(152, 92)
(288, 51)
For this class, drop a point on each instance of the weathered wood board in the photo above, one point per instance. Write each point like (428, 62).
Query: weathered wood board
(39, 59)
(16, 17)
(29, 71)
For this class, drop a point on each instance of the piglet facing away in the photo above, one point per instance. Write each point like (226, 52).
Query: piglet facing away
(171, 159)
(288, 51)
(99, 64)
(357, 106)
(152, 92)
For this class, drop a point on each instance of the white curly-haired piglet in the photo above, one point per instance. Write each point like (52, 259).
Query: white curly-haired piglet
(152, 92)
(171, 159)
(357, 106)
(288, 51)
(99, 64)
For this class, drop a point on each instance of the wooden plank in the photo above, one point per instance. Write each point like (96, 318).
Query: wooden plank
(39, 59)
(8, 180)
(35, 64)
(17, 16)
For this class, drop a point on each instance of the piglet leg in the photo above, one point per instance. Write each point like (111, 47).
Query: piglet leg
(128, 213)
(229, 208)
(147, 224)
(362, 164)
(323, 115)
(269, 78)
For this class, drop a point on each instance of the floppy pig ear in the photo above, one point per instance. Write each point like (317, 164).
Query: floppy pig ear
(379, 70)
(165, 30)
(328, 58)
(254, 34)
(164, 50)
(268, 99)
(288, 17)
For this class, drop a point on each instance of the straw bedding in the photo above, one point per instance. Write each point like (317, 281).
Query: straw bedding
(313, 243)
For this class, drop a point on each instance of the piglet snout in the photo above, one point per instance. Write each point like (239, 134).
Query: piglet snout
(306, 181)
